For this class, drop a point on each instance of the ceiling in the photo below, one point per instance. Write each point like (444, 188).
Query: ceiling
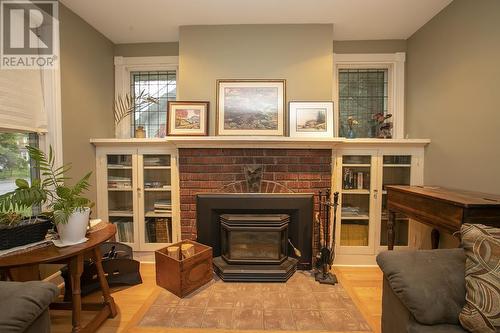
(136, 21)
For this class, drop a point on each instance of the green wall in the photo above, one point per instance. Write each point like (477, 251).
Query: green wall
(452, 95)
(453, 80)
(301, 54)
(369, 46)
(339, 46)
(87, 92)
(257, 51)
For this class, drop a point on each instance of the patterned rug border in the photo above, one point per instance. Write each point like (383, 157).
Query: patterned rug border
(133, 325)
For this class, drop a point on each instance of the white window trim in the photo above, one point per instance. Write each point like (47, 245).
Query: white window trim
(52, 104)
(51, 91)
(124, 66)
(395, 63)
(51, 85)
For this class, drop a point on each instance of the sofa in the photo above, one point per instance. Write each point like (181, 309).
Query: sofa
(24, 306)
(423, 291)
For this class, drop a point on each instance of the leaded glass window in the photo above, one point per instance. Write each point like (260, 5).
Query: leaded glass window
(161, 85)
(363, 92)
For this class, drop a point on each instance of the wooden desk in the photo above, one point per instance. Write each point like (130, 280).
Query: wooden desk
(441, 208)
(73, 256)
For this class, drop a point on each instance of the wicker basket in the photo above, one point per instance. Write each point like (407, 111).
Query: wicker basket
(23, 234)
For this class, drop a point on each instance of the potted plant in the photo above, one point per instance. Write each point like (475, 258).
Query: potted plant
(68, 208)
(381, 128)
(71, 211)
(16, 229)
(17, 224)
(125, 105)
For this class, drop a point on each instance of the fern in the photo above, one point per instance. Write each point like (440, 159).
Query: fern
(51, 190)
(24, 196)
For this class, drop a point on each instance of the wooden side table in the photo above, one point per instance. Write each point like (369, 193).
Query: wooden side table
(441, 208)
(73, 256)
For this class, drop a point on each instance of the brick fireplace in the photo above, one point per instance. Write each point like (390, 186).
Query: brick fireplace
(236, 170)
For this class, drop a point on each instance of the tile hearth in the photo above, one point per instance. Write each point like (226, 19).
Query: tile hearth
(299, 304)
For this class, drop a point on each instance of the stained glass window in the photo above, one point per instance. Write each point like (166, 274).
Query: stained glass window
(362, 94)
(161, 85)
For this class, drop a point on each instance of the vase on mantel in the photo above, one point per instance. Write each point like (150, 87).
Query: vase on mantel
(140, 132)
(351, 134)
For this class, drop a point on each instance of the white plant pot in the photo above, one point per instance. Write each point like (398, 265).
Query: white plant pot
(74, 231)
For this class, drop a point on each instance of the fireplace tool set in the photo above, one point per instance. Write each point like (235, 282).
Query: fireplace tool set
(326, 237)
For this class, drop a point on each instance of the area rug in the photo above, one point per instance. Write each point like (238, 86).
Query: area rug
(301, 304)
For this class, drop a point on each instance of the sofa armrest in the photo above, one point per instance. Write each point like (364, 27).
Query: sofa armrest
(395, 315)
(23, 302)
(430, 283)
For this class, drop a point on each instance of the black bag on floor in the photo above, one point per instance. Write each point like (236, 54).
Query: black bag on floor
(119, 268)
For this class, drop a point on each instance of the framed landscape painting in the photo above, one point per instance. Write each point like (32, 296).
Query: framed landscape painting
(311, 119)
(187, 118)
(250, 107)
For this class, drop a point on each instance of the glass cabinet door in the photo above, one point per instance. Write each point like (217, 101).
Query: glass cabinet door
(120, 196)
(356, 190)
(157, 177)
(396, 171)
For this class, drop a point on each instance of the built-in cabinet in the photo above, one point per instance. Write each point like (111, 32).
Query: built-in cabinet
(138, 191)
(361, 177)
(138, 188)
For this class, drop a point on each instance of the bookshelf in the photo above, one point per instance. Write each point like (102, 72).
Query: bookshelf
(361, 177)
(135, 192)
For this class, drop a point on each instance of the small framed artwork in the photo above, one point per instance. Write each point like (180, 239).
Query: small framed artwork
(187, 118)
(251, 107)
(311, 119)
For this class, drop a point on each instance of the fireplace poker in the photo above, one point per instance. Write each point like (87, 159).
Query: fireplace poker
(327, 252)
(319, 219)
(334, 226)
(327, 218)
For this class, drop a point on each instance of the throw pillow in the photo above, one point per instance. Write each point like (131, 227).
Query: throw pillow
(481, 313)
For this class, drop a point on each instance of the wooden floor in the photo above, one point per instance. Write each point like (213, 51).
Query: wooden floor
(364, 285)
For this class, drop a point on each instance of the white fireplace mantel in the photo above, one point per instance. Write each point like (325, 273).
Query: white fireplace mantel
(262, 142)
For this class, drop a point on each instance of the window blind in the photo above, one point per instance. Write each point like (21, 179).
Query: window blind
(21, 101)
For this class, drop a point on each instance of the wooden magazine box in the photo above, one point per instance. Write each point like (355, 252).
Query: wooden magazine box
(181, 277)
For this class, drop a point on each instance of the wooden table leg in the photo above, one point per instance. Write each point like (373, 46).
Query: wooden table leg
(76, 269)
(108, 299)
(435, 238)
(390, 230)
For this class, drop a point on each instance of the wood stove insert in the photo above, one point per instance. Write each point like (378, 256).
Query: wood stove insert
(254, 248)
(298, 206)
(254, 238)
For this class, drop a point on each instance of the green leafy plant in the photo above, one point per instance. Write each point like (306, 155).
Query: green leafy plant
(51, 190)
(70, 199)
(126, 104)
(10, 218)
(24, 196)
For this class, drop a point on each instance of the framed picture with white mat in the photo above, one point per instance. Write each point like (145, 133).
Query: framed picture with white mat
(311, 119)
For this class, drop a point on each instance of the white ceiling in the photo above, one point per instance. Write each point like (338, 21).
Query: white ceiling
(134, 21)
